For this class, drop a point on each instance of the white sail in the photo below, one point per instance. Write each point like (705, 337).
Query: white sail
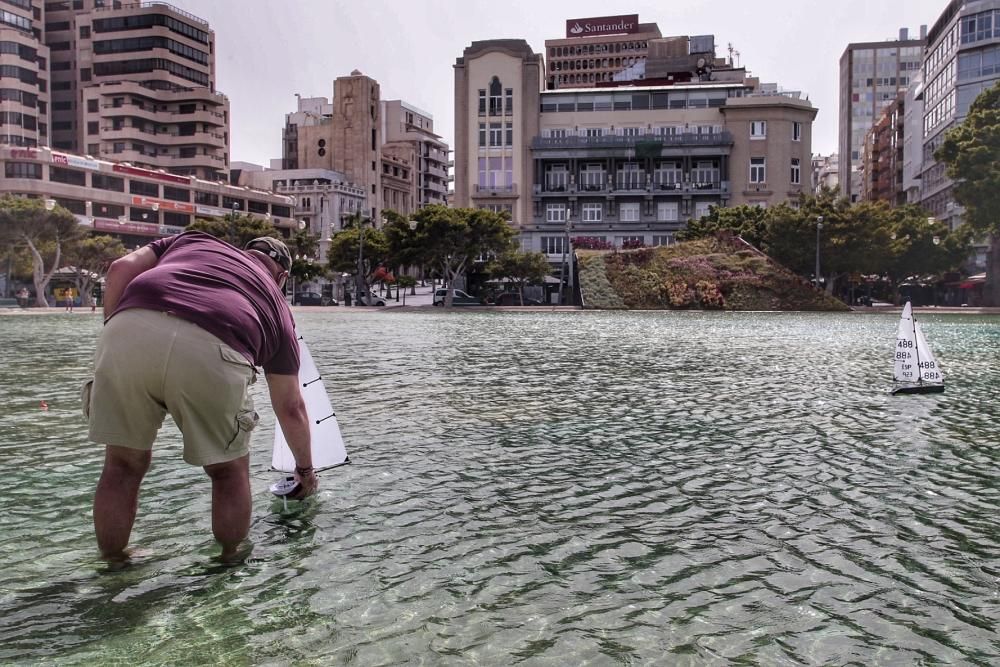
(904, 368)
(914, 369)
(327, 444)
(929, 370)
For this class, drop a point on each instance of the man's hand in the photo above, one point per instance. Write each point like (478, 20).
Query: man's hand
(306, 477)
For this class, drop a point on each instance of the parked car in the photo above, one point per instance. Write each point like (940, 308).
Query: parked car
(514, 299)
(372, 299)
(313, 299)
(459, 298)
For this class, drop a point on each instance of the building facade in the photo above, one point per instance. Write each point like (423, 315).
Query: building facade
(596, 50)
(24, 90)
(623, 164)
(962, 60)
(135, 82)
(405, 123)
(825, 172)
(132, 203)
(322, 199)
(881, 170)
(872, 74)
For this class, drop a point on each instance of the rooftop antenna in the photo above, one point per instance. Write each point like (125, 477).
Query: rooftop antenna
(737, 53)
(730, 45)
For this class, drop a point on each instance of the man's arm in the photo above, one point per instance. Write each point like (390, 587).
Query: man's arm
(122, 271)
(290, 409)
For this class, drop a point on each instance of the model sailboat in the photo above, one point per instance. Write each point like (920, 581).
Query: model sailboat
(328, 448)
(915, 371)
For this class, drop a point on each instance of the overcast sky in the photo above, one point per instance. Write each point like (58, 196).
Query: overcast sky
(268, 50)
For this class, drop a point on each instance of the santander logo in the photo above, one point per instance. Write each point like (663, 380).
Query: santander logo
(576, 29)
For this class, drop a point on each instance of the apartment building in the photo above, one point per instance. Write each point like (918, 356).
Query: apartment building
(135, 82)
(130, 202)
(405, 123)
(624, 162)
(962, 60)
(826, 172)
(24, 89)
(598, 49)
(881, 170)
(872, 74)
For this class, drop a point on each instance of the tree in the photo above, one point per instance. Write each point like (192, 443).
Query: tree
(236, 230)
(26, 223)
(344, 250)
(91, 258)
(404, 282)
(748, 221)
(970, 152)
(452, 238)
(913, 251)
(521, 268)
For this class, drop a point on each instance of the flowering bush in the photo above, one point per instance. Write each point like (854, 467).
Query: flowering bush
(709, 295)
(591, 243)
(632, 244)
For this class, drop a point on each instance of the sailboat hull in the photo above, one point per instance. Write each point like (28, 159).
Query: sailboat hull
(919, 389)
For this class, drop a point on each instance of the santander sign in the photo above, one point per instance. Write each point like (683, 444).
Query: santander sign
(602, 25)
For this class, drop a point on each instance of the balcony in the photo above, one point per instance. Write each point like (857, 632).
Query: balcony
(495, 191)
(628, 185)
(620, 143)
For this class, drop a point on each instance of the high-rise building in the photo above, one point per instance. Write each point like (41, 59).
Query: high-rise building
(871, 76)
(24, 93)
(881, 170)
(622, 162)
(598, 49)
(135, 82)
(962, 60)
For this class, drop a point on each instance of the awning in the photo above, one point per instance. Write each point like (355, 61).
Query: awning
(973, 281)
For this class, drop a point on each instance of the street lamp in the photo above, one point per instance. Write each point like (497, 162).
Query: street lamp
(232, 224)
(359, 283)
(819, 227)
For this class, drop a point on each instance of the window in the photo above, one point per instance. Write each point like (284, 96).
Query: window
(758, 170)
(758, 129)
(630, 131)
(176, 194)
(176, 219)
(553, 245)
(796, 131)
(592, 213)
(555, 213)
(482, 102)
(70, 176)
(105, 182)
(206, 198)
(701, 208)
(796, 171)
(629, 212)
(482, 135)
(666, 211)
(496, 134)
(92, 106)
(496, 99)
(143, 188)
(556, 178)
(23, 170)
(508, 101)
(595, 131)
(666, 239)
(92, 127)
(592, 177)
(508, 134)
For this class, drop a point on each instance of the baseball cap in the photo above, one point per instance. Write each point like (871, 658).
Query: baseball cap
(273, 248)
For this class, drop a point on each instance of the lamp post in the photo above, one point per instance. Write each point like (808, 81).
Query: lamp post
(819, 227)
(232, 224)
(359, 283)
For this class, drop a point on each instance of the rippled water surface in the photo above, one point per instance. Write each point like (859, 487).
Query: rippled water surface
(544, 488)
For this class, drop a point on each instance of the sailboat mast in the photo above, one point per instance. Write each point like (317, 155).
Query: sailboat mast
(916, 346)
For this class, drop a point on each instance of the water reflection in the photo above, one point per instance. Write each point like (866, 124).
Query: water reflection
(559, 488)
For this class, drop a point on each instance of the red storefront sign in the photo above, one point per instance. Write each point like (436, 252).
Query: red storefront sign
(144, 228)
(603, 25)
(146, 173)
(163, 204)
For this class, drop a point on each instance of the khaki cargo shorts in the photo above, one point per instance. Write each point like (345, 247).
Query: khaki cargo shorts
(149, 364)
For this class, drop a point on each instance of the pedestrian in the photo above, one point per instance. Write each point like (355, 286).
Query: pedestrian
(188, 318)
(68, 299)
(22, 297)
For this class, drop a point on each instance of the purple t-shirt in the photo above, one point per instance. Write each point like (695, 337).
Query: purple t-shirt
(222, 290)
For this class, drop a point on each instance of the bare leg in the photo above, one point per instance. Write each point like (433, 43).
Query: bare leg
(231, 505)
(117, 499)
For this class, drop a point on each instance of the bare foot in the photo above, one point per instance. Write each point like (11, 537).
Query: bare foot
(236, 554)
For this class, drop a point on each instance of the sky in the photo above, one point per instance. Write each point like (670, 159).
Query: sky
(269, 50)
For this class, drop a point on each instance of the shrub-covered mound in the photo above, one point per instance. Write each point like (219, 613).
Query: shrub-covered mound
(722, 273)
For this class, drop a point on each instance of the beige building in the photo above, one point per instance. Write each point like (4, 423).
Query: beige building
(24, 94)
(130, 202)
(622, 164)
(135, 82)
(403, 122)
(386, 147)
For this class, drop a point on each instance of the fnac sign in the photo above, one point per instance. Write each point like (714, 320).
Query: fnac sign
(603, 25)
